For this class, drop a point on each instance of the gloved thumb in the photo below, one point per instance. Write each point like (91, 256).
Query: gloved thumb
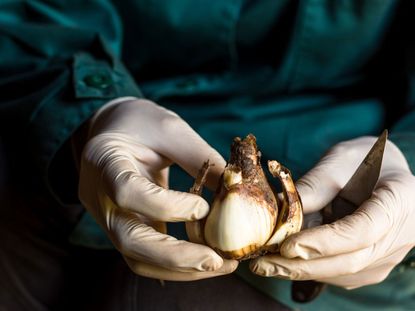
(322, 183)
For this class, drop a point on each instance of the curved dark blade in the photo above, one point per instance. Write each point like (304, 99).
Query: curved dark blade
(360, 186)
(357, 190)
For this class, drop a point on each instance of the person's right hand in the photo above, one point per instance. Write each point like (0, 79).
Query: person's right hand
(359, 249)
(124, 185)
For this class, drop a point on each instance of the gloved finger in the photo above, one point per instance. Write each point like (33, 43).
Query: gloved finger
(128, 189)
(323, 182)
(389, 257)
(134, 239)
(177, 141)
(321, 268)
(191, 152)
(373, 274)
(372, 220)
(164, 132)
(157, 272)
(160, 226)
(363, 278)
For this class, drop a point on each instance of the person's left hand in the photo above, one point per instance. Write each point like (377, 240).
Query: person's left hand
(359, 249)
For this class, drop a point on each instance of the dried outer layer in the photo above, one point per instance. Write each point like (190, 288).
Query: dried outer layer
(248, 252)
(194, 229)
(290, 218)
(246, 158)
(200, 180)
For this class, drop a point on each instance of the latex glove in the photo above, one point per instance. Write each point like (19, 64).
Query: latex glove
(124, 181)
(359, 249)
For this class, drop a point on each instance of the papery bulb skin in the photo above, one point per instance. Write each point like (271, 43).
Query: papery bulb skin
(244, 212)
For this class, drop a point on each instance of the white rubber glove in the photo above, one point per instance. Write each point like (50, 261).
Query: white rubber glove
(359, 249)
(124, 181)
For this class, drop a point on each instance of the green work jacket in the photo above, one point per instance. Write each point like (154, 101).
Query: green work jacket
(301, 75)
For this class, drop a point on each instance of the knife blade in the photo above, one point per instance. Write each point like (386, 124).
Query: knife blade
(358, 189)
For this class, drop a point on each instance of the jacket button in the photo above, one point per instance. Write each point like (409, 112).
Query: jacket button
(99, 80)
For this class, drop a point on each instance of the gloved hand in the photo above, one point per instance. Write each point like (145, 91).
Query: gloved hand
(359, 249)
(124, 181)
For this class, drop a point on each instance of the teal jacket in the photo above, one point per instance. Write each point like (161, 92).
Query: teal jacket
(300, 75)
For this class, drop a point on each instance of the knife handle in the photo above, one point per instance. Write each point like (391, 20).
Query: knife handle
(306, 291)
